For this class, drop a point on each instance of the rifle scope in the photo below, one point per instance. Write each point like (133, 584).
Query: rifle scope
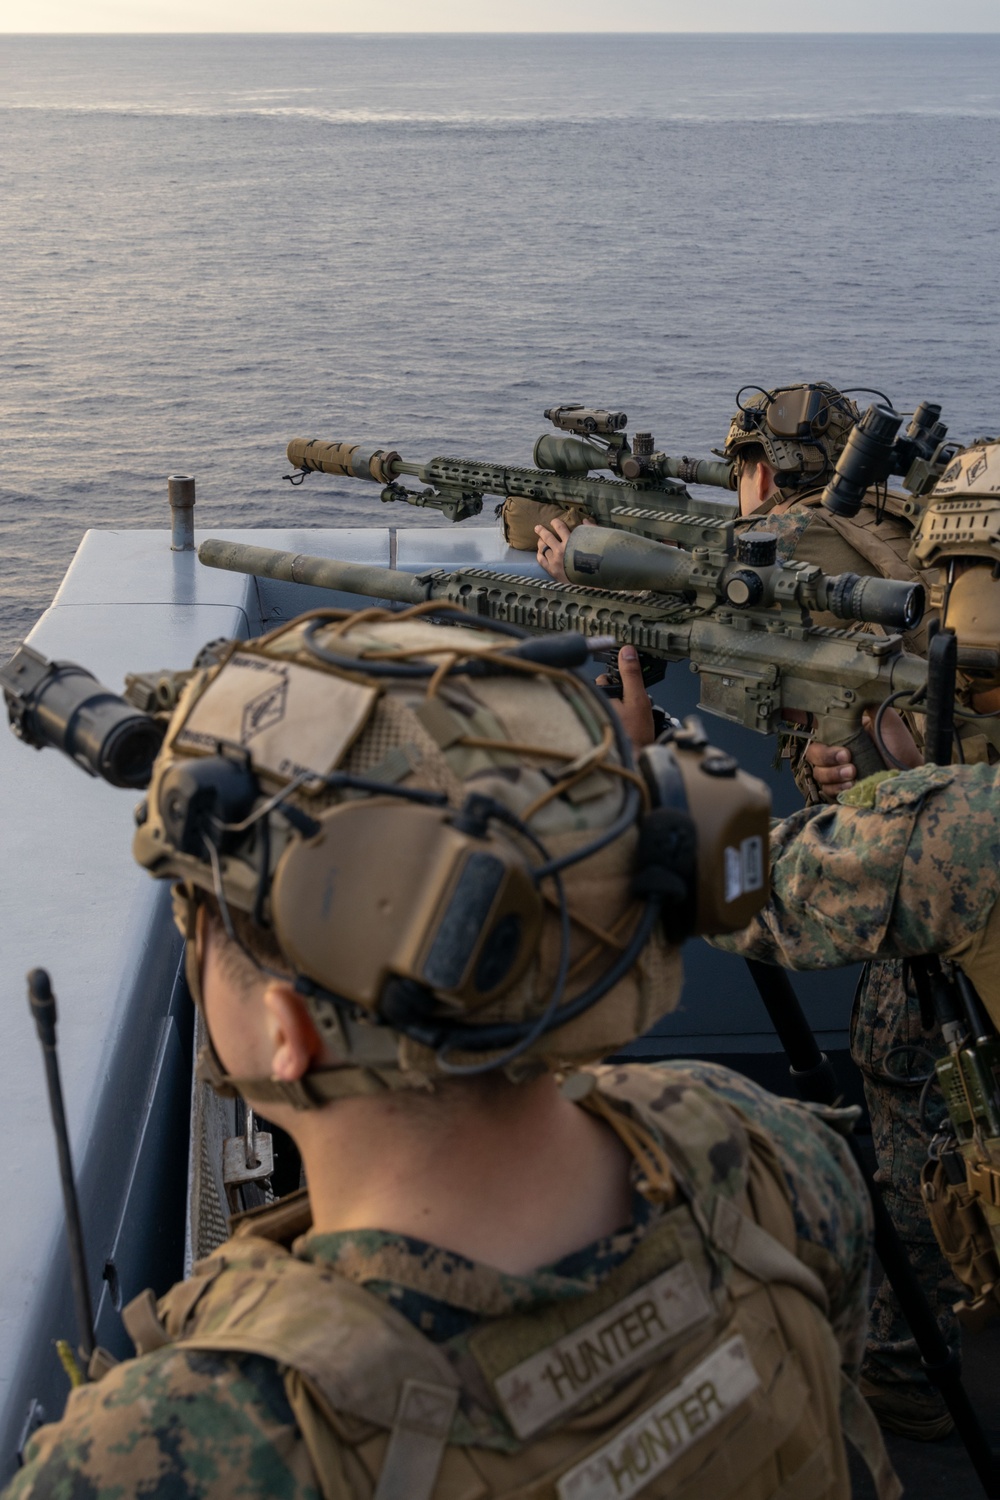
(60, 704)
(577, 455)
(597, 557)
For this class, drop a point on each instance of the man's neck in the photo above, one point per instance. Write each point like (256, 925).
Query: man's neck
(517, 1178)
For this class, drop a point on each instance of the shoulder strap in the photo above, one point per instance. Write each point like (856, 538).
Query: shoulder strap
(711, 1143)
(256, 1298)
(416, 1445)
(343, 1351)
(756, 1251)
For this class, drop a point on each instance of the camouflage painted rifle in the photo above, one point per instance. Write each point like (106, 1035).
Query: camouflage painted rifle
(647, 495)
(743, 625)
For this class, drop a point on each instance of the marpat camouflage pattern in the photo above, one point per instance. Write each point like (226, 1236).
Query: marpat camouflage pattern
(901, 865)
(187, 1424)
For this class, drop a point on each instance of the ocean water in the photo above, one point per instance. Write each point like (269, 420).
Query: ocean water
(209, 245)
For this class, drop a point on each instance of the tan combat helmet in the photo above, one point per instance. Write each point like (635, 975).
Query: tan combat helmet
(959, 535)
(437, 833)
(801, 429)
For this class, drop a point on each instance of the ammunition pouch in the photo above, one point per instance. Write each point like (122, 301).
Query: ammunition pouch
(520, 516)
(956, 1211)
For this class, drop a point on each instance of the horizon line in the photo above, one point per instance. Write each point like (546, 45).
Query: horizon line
(615, 31)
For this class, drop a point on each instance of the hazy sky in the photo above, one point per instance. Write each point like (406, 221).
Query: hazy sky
(500, 15)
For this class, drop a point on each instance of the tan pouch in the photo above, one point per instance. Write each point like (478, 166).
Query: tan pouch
(963, 1234)
(520, 516)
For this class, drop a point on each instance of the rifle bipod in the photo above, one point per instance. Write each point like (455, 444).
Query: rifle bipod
(815, 1082)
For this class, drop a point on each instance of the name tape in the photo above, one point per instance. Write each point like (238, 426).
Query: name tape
(666, 1430)
(561, 1376)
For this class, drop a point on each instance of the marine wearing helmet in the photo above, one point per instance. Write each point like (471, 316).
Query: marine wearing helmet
(423, 888)
(786, 442)
(959, 536)
(797, 430)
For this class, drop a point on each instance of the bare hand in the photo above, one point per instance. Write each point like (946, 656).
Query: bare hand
(833, 768)
(634, 708)
(552, 546)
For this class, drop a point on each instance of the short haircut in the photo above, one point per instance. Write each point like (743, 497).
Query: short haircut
(751, 455)
(255, 948)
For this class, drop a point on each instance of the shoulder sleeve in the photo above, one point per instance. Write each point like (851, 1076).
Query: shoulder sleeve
(917, 872)
(828, 1198)
(175, 1423)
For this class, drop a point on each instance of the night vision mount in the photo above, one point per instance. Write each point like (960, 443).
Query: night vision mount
(875, 450)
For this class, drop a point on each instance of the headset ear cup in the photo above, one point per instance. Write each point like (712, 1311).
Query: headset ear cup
(667, 866)
(406, 1005)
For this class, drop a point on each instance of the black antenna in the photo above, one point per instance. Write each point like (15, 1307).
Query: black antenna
(939, 730)
(43, 1008)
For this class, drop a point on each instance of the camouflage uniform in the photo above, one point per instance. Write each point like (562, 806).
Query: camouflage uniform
(913, 867)
(190, 1423)
(886, 1014)
(904, 864)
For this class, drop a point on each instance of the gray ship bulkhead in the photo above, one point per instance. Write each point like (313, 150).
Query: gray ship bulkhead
(74, 903)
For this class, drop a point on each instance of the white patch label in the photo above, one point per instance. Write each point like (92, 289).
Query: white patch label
(733, 874)
(666, 1430)
(744, 868)
(752, 859)
(556, 1379)
(290, 718)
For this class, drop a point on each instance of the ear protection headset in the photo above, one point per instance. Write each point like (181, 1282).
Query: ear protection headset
(800, 427)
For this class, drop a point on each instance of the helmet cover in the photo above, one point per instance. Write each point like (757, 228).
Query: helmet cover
(801, 428)
(299, 715)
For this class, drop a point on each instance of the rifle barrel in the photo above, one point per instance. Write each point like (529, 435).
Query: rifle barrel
(320, 572)
(660, 507)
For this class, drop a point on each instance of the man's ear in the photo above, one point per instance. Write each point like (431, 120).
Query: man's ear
(764, 480)
(295, 1042)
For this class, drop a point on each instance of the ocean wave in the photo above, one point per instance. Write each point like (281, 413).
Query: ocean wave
(511, 120)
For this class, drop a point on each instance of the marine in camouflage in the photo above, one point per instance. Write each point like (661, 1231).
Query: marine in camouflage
(904, 864)
(197, 1424)
(885, 1015)
(894, 1054)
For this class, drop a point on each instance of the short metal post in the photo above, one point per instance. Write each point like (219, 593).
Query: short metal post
(180, 492)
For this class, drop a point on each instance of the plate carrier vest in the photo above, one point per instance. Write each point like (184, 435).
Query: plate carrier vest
(703, 1365)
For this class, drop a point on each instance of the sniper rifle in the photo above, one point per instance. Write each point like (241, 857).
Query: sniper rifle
(646, 495)
(741, 620)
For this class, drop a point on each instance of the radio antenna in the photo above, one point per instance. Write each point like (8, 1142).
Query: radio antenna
(43, 1008)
